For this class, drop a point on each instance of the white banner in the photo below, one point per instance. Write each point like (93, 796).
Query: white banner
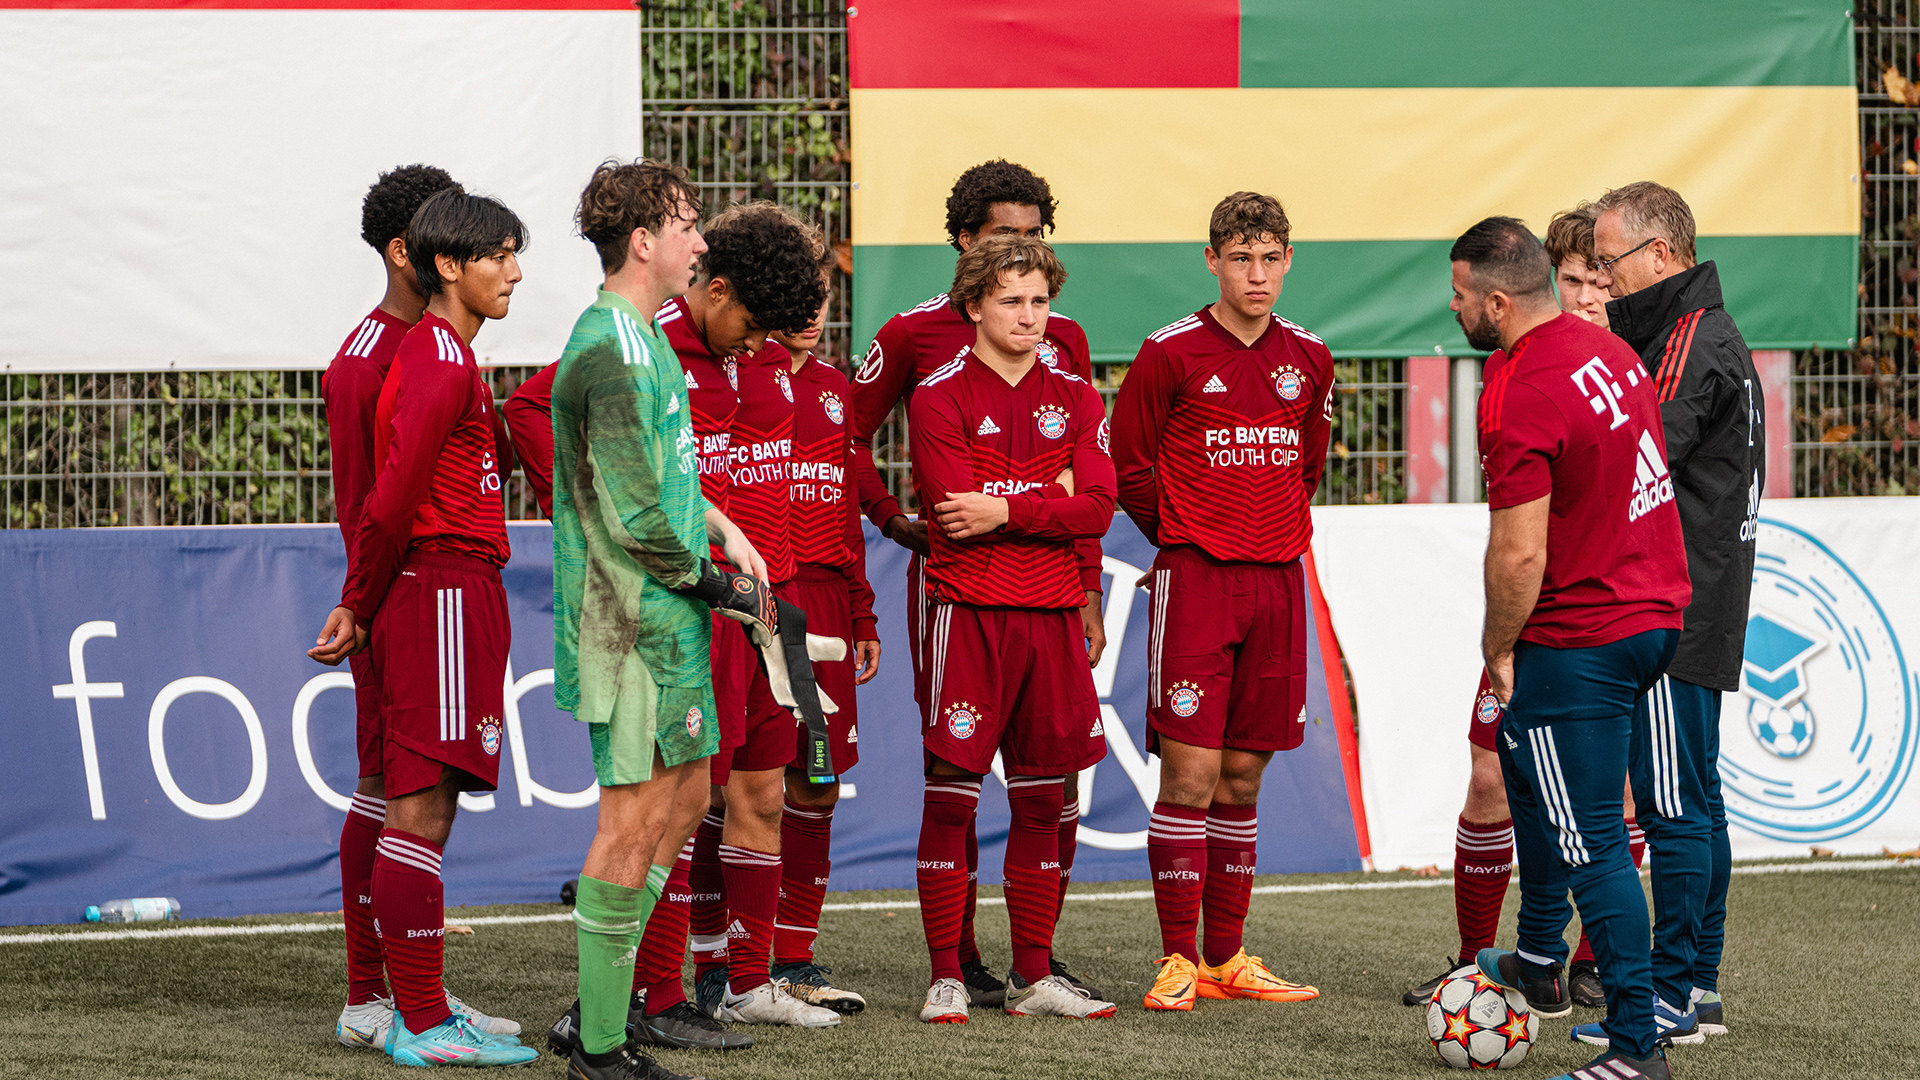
(1816, 748)
(182, 187)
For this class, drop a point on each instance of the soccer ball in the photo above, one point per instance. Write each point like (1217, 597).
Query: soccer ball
(1784, 733)
(1474, 1024)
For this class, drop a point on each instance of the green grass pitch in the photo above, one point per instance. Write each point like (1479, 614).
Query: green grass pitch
(1817, 981)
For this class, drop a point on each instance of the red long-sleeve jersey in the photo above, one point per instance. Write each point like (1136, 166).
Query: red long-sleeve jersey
(826, 519)
(913, 345)
(713, 393)
(971, 431)
(1220, 444)
(351, 389)
(762, 455)
(529, 418)
(438, 468)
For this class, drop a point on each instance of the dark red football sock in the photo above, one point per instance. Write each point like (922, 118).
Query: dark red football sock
(1232, 832)
(1636, 843)
(753, 895)
(359, 838)
(806, 834)
(1033, 871)
(663, 945)
(411, 909)
(1069, 844)
(941, 873)
(1482, 863)
(1177, 857)
(969, 948)
(707, 919)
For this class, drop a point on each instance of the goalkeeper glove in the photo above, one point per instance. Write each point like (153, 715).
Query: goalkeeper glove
(740, 597)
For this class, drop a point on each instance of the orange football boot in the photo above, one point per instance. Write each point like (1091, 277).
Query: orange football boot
(1246, 976)
(1175, 986)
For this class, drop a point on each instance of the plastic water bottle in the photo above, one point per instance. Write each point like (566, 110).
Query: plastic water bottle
(139, 909)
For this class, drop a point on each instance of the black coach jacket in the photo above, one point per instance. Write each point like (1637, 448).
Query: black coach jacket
(1712, 409)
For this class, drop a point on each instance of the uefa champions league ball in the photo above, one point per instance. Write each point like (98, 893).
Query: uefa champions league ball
(1784, 733)
(1474, 1024)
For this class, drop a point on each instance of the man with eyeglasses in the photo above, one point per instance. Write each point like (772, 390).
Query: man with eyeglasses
(1669, 309)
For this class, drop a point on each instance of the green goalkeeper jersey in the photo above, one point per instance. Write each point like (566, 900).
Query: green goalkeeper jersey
(629, 522)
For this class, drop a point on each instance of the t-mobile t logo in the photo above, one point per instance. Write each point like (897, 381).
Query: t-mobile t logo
(1605, 392)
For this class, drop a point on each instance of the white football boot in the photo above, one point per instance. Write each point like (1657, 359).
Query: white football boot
(769, 1004)
(490, 1025)
(365, 1026)
(946, 1003)
(1055, 996)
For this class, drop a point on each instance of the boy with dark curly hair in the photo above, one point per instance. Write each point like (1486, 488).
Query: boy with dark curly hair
(351, 389)
(994, 198)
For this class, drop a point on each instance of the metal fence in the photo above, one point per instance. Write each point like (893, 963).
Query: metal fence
(751, 96)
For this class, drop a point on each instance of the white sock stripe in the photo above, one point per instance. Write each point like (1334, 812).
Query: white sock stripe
(696, 945)
(408, 858)
(796, 929)
(714, 820)
(1470, 829)
(1033, 781)
(815, 815)
(371, 802)
(595, 926)
(739, 856)
(397, 847)
(1533, 958)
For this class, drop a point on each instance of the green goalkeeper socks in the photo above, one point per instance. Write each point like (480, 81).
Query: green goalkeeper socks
(608, 920)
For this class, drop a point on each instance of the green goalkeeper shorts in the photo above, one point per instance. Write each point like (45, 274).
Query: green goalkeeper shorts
(680, 722)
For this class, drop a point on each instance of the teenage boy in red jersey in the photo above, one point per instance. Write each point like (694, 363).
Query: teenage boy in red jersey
(1483, 837)
(1586, 580)
(830, 585)
(1011, 456)
(1220, 436)
(759, 273)
(351, 389)
(995, 198)
(427, 553)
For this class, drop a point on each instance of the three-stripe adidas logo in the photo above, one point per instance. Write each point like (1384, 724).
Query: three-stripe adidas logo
(987, 427)
(1652, 484)
(1214, 386)
(450, 608)
(449, 345)
(366, 337)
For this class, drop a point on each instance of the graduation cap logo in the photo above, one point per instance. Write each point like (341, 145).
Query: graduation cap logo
(1774, 677)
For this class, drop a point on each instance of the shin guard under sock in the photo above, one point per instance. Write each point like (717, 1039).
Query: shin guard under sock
(1069, 845)
(359, 838)
(753, 896)
(969, 948)
(941, 870)
(607, 920)
(1232, 832)
(1177, 858)
(663, 944)
(707, 919)
(410, 908)
(1482, 864)
(1033, 871)
(806, 834)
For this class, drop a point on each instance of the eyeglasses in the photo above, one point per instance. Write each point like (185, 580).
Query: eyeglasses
(1605, 266)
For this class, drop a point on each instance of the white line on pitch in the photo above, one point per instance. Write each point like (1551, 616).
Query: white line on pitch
(864, 905)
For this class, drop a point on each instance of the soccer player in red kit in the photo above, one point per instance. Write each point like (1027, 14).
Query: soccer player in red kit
(351, 390)
(1220, 436)
(1010, 455)
(425, 577)
(760, 272)
(830, 585)
(1483, 837)
(995, 198)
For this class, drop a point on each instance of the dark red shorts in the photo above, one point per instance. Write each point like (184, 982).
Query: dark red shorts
(1227, 655)
(734, 661)
(775, 737)
(1487, 712)
(1013, 680)
(366, 711)
(919, 607)
(440, 648)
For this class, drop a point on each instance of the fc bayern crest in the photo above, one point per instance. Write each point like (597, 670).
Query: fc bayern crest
(1184, 698)
(733, 374)
(1821, 737)
(786, 385)
(1047, 354)
(694, 720)
(490, 736)
(835, 411)
(962, 722)
(1287, 382)
(1053, 421)
(1487, 709)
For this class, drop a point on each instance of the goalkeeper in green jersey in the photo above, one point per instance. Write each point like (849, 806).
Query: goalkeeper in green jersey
(632, 589)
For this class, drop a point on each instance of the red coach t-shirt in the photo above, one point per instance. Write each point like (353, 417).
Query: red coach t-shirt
(826, 516)
(1572, 414)
(1221, 444)
(761, 453)
(913, 345)
(351, 389)
(437, 479)
(529, 416)
(713, 393)
(973, 432)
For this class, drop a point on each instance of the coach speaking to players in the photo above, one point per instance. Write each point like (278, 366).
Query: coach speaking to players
(1669, 310)
(1586, 580)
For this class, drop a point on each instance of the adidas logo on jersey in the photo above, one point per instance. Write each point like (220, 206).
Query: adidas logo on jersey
(1214, 386)
(1652, 485)
(691, 385)
(1099, 729)
(987, 427)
